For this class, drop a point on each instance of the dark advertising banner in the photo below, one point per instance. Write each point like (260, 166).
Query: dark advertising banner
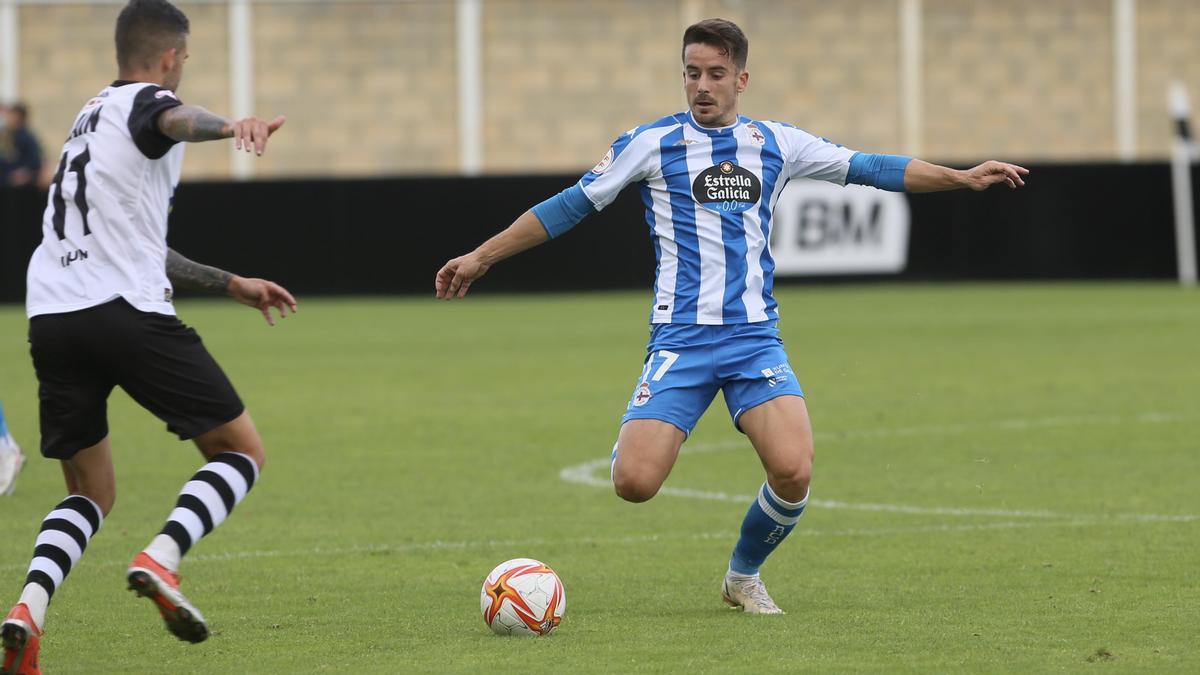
(390, 235)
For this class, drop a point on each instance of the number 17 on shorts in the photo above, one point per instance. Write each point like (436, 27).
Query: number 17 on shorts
(663, 359)
(674, 387)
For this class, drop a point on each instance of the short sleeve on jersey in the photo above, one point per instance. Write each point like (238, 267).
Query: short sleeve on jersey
(627, 162)
(149, 103)
(809, 156)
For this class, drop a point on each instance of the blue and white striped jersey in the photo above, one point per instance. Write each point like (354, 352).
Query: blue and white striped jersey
(709, 196)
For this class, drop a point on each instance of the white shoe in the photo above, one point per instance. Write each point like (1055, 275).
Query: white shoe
(11, 461)
(749, 594)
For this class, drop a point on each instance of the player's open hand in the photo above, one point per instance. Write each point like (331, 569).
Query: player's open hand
(456, 276)
(252, 132)
(992, 172)
(262, 295)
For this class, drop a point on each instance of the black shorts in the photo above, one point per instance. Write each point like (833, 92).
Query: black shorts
(161, 363)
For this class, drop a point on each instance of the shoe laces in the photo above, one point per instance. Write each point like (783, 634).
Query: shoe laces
(757, 591)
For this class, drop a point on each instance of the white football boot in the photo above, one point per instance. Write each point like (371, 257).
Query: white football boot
(749, 594)
(11, 461)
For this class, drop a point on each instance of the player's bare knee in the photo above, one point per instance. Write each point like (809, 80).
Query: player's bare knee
(632, 491)
(634, 488)
(791, 482)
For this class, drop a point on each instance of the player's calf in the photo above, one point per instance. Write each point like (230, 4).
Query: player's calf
(205, 502)
(767, 523)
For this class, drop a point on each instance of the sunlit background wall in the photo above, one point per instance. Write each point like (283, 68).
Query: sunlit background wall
(418, 87)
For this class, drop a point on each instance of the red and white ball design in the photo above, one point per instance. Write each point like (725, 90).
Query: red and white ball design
(522, 597)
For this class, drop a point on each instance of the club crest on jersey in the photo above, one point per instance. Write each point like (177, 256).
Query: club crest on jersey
(642, 396)
(726, 188)
(603, 165)
(755, 134)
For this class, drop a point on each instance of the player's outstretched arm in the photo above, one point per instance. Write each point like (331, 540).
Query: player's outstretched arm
(920, 176)
(193, 124)
(457, 275)
(258, 293)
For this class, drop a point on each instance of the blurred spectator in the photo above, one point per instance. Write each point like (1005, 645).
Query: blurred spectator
(20, 153)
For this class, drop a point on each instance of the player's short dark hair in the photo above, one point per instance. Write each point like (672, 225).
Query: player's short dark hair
(20, 110)
(722, 34)
(147, 28)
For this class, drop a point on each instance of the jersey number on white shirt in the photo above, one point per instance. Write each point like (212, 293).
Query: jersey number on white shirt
(77, 166)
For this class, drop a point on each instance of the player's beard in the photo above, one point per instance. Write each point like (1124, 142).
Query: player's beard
(711, 114)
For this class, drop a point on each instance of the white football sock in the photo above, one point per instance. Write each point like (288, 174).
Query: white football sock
(165, 552)
(36, 598)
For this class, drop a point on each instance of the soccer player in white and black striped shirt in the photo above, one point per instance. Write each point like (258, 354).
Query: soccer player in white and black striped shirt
(99, 301)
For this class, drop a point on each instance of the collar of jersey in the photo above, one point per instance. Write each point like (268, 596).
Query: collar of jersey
(718, 131)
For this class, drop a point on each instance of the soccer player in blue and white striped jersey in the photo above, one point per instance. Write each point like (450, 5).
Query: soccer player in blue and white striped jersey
(709, 179)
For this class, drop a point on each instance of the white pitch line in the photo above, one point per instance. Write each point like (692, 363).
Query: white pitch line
(1016, 424)
(585, 473)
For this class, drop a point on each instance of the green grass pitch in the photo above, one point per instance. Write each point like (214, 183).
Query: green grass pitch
(1007, 480)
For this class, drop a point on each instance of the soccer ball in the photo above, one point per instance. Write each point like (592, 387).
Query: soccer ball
(522, 597)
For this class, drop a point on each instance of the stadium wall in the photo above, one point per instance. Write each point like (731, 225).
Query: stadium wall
(1097, 221)
(371, 87)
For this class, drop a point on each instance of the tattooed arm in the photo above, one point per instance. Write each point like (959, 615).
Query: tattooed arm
(193, 276)
(194, 124)
(258, 293)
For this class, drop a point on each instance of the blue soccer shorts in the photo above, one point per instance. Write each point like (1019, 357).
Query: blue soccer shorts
(686, 365)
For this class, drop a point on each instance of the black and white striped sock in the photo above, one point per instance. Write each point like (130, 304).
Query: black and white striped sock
(204, 503)
(65, 534)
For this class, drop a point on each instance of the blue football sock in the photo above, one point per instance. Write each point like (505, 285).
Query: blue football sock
(3, 426)
(768, 522)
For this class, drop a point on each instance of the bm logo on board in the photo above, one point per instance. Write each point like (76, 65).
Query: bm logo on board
(726, 188)
(822, 228)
